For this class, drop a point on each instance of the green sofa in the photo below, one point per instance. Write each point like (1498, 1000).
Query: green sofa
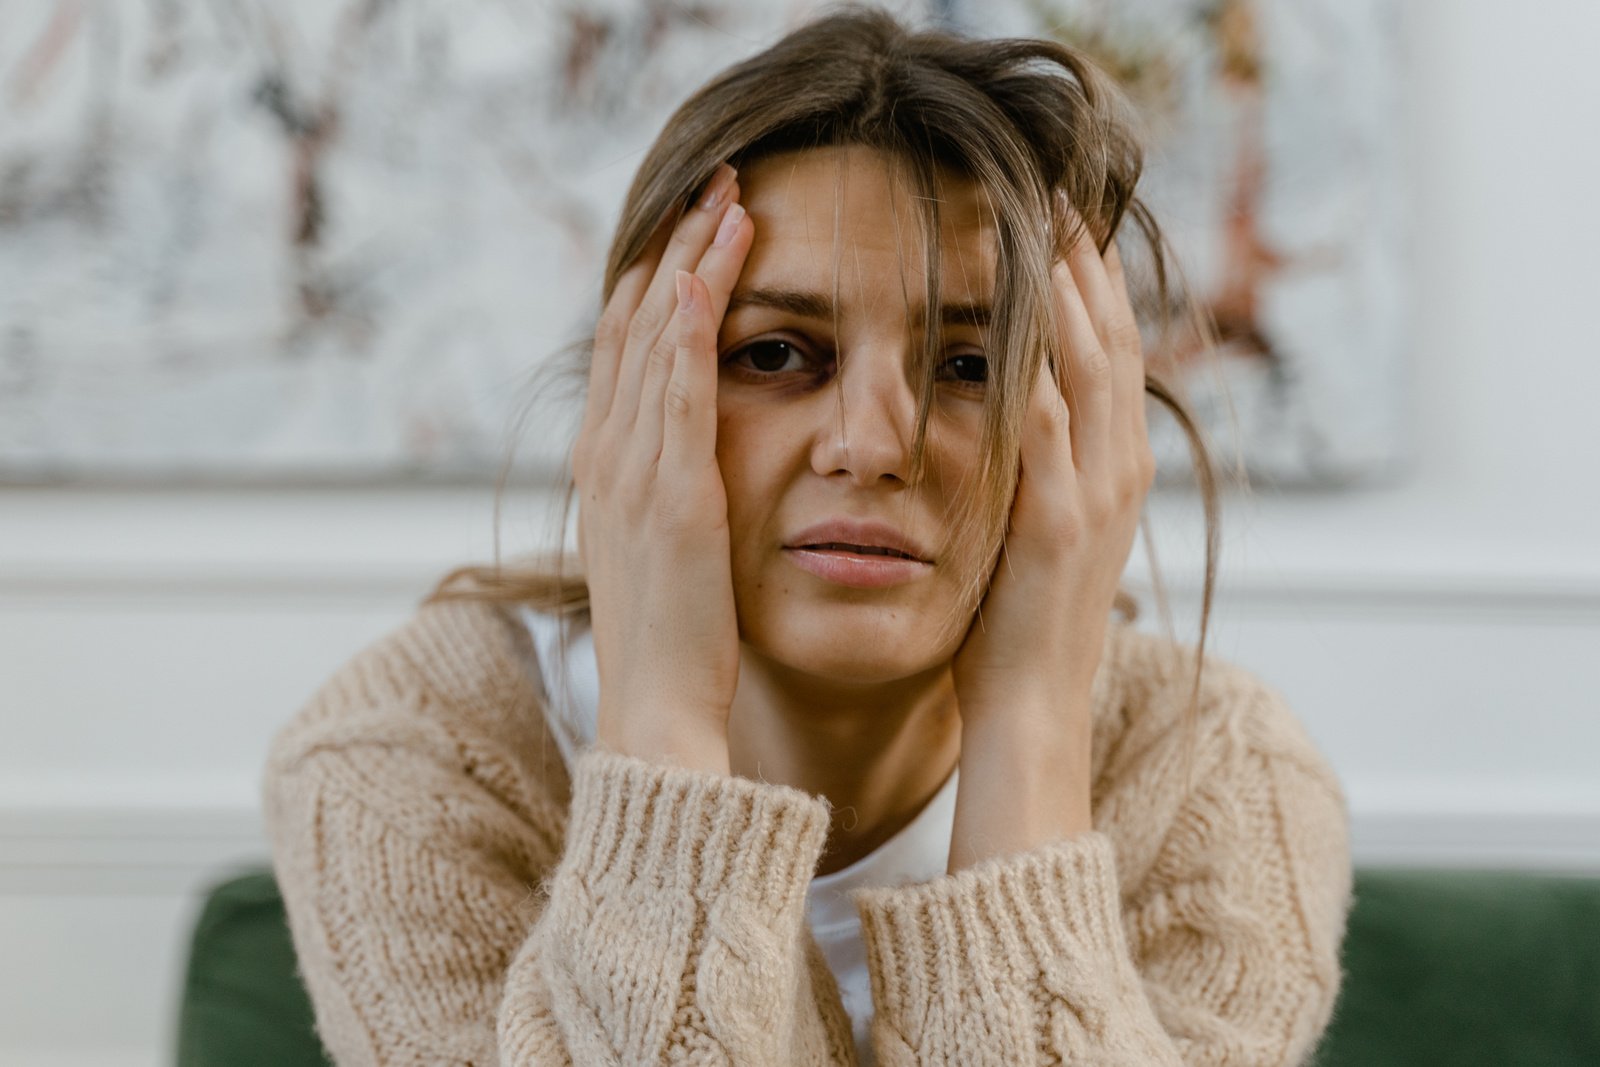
(1461, 968)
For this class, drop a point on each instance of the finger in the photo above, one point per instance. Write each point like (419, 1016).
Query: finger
(1046, 438)
(609, 337)
(1115, 324)
(1119, 283)
(724, 260)
(689, 407)
(718, 269)
(611, 332)
(1089, 271)
(1100, 297)
(688, 243)
(1088, 375)
(1129, 324)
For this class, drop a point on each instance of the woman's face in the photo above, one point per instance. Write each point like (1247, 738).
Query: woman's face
(804, 436)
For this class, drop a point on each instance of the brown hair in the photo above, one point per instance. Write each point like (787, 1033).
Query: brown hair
(1031, 122)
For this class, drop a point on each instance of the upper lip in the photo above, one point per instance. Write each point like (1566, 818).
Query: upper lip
(865, 533)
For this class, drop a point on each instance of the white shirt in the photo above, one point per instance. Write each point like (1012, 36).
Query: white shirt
(918, 853)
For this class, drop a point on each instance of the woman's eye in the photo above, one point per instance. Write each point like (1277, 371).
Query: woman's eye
(971, 370)
(767, 357)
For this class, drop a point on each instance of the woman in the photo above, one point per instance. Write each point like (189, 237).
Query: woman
(848, 784)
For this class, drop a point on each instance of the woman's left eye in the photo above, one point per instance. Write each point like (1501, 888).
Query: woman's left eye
(974, 365)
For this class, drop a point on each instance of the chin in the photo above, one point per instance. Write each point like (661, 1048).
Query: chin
(858, 642)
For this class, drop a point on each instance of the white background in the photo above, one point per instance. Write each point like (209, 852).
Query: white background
(1436, 635)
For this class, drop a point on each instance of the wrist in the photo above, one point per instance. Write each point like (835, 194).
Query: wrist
(676, 738)
(1038, 760)
(1021, 785)
(1047, 727)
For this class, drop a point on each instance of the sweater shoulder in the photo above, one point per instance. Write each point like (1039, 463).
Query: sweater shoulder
(1151, 699)
(1169, 759)
(456, 684)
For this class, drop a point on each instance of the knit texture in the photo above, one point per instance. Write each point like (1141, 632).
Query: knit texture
(457, 895)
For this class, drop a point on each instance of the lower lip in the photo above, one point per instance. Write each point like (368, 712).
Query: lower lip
(850, 568)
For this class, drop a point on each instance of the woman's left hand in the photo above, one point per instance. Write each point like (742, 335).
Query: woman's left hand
(1033, 650)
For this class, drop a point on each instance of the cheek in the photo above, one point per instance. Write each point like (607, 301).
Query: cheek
(757, 446)
(955, 450)
(733, 453)
(957, 424)
(744, 461)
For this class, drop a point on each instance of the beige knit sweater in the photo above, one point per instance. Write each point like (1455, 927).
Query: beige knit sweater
(456, 896)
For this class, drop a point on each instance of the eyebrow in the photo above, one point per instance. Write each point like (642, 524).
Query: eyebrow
(814, 305)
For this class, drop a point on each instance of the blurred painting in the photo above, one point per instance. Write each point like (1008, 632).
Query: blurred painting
(1274, 165)
(302, 241)
(317, 240)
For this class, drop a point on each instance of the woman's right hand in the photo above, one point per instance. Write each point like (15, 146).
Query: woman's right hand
(653, 513)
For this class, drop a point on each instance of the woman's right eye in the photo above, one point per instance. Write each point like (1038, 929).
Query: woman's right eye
(765, 358)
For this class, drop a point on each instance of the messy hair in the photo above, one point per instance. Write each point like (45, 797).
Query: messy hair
(1037, 125)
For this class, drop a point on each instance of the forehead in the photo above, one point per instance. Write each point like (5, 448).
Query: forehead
(843, 208)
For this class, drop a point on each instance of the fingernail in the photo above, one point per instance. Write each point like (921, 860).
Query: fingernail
(685, 292)
(730, 225)
(717, 188)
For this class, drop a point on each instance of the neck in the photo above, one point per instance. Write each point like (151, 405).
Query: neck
(877, 751)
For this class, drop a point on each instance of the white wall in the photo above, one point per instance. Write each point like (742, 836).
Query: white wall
(1435, 634)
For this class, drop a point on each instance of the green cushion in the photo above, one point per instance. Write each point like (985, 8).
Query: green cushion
(1469, 967)
(1442, 967)
(243, 1005)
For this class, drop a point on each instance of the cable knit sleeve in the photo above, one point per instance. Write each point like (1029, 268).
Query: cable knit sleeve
(1227, 954)
(435, 925)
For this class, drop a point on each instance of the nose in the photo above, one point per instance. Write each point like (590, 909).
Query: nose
(866, 433)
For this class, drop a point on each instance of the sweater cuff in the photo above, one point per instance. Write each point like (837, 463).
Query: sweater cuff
(649, 825)
(1007, 923)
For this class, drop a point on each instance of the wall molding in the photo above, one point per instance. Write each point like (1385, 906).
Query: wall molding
(1389, 550)
(118, 851)
(1531, 597)
(1437, 597)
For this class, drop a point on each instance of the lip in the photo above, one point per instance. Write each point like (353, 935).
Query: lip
(854, 569)
(863, 532)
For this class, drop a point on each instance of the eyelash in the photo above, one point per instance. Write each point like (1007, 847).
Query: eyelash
(757, 375)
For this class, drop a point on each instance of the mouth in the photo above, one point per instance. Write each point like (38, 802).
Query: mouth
(857, 566)
(860, 550)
